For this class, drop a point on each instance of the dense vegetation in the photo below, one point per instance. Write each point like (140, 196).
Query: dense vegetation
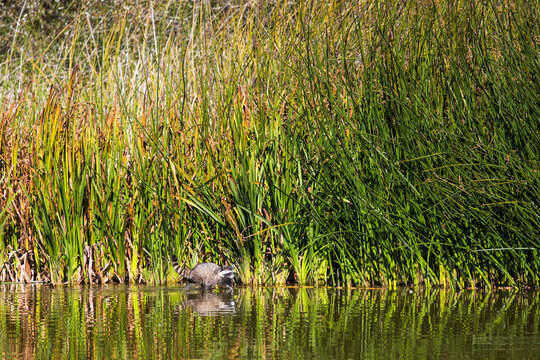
(371, 143)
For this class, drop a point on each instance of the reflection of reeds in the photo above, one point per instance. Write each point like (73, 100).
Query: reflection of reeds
(316, 142)
(153, 323)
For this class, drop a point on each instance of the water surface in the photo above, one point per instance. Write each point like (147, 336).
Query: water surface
(116, 322)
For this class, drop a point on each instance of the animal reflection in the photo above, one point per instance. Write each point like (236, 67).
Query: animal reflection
(209, 303)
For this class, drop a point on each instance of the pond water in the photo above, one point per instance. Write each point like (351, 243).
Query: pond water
(117, 322)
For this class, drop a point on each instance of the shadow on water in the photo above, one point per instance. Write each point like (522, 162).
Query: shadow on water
(172, 323)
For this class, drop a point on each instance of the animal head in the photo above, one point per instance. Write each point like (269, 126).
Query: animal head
(226, 272)
(226, 276)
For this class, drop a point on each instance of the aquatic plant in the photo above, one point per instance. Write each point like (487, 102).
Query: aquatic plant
(372, 143)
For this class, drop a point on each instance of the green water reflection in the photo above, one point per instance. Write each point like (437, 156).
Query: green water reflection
(278, 323)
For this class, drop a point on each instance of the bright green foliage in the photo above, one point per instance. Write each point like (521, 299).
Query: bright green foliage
(374, 143)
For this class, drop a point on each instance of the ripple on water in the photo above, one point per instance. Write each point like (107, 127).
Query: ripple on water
(123, 322)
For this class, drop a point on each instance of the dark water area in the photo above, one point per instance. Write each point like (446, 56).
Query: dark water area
(117, 322)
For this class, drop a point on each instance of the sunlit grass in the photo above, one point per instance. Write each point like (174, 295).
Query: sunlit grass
(371, 144)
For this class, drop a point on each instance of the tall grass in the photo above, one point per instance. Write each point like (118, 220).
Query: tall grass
(379, 143)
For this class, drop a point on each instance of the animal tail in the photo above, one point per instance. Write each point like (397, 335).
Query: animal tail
(179, 269)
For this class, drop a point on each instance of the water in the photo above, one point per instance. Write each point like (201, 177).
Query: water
(115, 322)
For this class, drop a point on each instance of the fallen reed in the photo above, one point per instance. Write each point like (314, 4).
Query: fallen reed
(374, 143)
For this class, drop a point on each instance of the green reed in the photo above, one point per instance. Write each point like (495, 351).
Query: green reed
(355, 144)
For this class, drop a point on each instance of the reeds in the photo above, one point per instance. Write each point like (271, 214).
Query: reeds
(378, 143)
